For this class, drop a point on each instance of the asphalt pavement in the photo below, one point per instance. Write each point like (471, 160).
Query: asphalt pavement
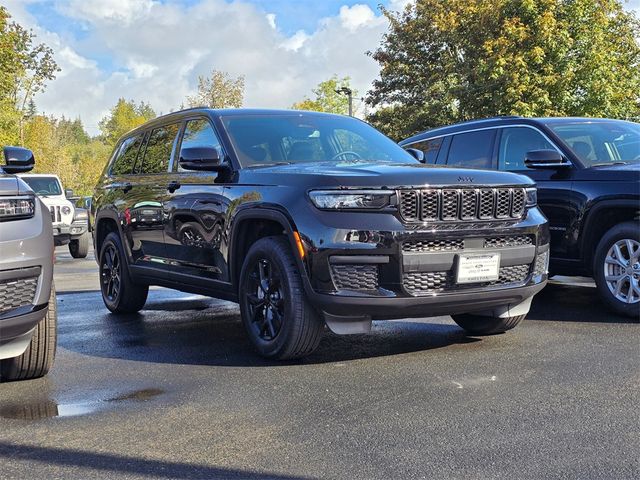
(177, 392)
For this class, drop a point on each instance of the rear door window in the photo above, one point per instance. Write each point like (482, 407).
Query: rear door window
(515, 142)
(472, 149)
(159, 149)
(126, 156)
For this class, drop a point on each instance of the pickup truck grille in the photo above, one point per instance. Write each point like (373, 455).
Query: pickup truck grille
(424, 283)
(462, 204)
(56, 216)
(17, 293)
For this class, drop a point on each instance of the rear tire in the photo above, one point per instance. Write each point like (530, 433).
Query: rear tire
(623, 295)
(278, 318)
(37, 359)
(120, 293)
(79, 248)
(479, 325)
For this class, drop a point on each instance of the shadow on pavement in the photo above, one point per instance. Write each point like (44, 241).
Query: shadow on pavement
(201, 331)
(127, 466)
(571, 303)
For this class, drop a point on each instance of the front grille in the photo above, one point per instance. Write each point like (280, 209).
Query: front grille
(433, 245)
(542, 264)
(452, 205)
(503, 242)
(355, 277)
(423, 283)
(17, 293)
(56, 216)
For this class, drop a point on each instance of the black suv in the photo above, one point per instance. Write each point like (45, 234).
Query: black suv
(307, 219)
(588, 177)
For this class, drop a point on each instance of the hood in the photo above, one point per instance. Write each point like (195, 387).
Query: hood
(387, 175)
(8, 185)
(611, 173)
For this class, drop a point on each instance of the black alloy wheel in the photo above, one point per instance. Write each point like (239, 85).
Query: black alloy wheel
(266, 299)
(111, 273)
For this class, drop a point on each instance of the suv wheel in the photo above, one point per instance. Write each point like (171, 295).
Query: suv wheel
(280, 322)
(79, 247)
(617, 269)
(119, 292)
(37, 359)
(479, 325)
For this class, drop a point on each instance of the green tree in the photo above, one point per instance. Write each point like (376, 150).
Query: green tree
(25, 69)
(220, 90)
(124, 116)
(449, 60)
(326, 98)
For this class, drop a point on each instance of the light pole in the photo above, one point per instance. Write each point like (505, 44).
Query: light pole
(349, 93)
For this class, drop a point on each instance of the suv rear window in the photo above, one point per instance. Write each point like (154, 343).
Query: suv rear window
(472, 149)
(126, 156)
(158, 150)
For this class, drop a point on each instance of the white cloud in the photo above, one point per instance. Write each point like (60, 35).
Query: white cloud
(108, 10)
(356, 16)
(271, 18)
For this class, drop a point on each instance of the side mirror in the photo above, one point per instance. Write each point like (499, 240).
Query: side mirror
(417, 154)
(17, 160)
(68, 193)
(550, 159)
(200, 159)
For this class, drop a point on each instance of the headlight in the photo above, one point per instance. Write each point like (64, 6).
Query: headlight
(352, 199)
(65, 210)
(532, 197)
(16, 208)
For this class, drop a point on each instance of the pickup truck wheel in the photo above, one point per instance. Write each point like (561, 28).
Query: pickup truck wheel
(617, 269)
(479, 325)
(37, 359)
(120, 293)
(278, 318)
(79, 247)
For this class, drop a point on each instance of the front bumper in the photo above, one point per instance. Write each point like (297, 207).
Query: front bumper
(63, 234)
(26, 275)
(410, 272)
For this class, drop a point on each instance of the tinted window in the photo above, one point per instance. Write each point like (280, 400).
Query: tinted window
(260, 139)
(44, 185)
(199, 133)
(515, 143)
(430, 148)
(472, 149)
(126, 157)
(159, 147)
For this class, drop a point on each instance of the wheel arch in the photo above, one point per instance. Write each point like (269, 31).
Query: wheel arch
(249, 225)
(105, 223)
(601, 217)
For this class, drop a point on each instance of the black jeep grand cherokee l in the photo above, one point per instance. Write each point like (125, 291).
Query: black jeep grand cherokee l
(308, 219)
(587, 171)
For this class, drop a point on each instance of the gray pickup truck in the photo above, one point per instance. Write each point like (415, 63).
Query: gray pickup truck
(27, 294)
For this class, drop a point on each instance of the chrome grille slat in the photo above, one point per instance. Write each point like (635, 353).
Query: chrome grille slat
(461, 204)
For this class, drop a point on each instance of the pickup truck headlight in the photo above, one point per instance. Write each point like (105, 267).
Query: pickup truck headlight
(17, 208)
(532, 197)
(352, 199)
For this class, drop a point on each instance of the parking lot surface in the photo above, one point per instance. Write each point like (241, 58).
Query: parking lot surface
(177, 392)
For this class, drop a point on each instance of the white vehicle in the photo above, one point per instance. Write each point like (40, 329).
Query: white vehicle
(70, 227)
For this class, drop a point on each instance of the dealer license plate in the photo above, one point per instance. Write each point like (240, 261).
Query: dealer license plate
(478, 268)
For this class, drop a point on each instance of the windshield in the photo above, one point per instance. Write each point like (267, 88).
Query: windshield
(44, 185)
(297, 138)
(601, 142)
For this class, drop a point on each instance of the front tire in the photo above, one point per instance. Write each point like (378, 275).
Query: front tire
(120, 293)
(79, 248)
(278, 318)
(37, 359)
(479, 325)
(617, 269)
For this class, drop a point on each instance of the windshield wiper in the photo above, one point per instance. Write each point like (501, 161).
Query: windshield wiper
(607, 164)
(258, 165)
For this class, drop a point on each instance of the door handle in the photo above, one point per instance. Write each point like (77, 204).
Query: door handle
(173, 186)
(126, 187)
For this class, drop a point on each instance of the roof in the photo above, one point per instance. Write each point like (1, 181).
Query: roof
(37, 175)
